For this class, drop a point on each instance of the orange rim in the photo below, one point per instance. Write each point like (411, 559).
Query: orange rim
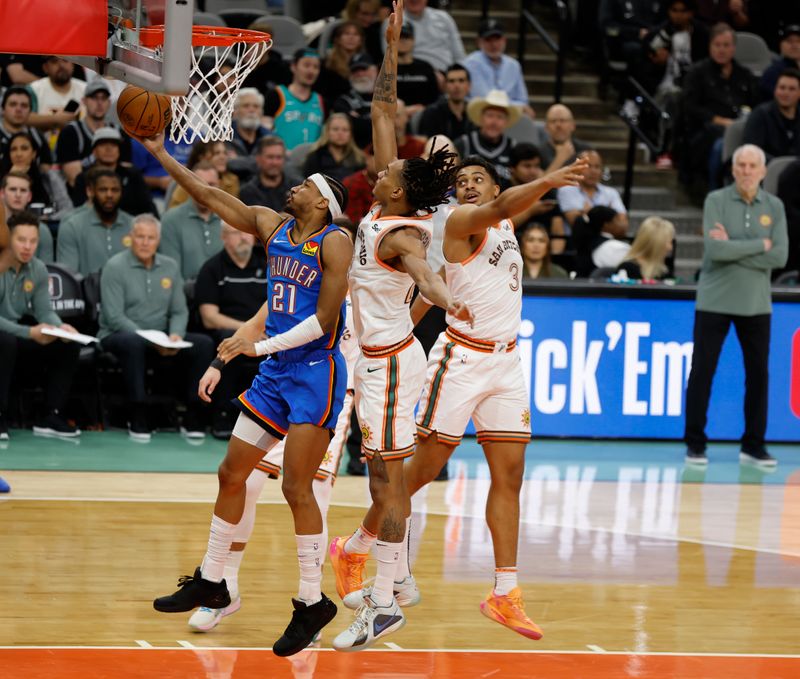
(204, 36)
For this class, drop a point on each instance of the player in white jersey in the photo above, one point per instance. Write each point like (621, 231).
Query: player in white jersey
(388, 261)
(205, 619)
(475, 371)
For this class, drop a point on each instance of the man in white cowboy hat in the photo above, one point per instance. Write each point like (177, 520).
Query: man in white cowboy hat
(493, 114)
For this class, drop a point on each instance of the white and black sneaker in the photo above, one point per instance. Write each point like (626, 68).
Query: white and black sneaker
(55, 425)
(406, 593)
(205, 619)
(760, 458)
(3, 428)
(138, 429)
(696, 456)
(372, 622)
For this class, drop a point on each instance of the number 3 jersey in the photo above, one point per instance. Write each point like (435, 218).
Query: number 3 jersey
(489, 282)
(294, 277)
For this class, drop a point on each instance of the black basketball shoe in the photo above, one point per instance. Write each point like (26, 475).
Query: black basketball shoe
(192, 592)
(306, 622)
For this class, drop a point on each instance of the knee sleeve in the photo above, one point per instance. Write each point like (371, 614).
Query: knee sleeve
(254, 485)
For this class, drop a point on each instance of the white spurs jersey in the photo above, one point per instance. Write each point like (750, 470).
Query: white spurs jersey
(489, 282)
(380, 294)
(348, 345)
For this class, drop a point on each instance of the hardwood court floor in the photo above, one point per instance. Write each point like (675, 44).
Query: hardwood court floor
(640, 570)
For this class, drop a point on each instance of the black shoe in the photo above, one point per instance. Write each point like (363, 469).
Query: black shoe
(194, 426)
(55, 425)
(138, 429)
(3, 428)
(306, 622)
(192, 592)
(356, 468)
(696, 456)
(221, 425)
(759, 457)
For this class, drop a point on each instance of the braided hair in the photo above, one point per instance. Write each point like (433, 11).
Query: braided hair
(428, 181)
(341, 193)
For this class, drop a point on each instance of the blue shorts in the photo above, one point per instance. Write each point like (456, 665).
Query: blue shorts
(310, 391)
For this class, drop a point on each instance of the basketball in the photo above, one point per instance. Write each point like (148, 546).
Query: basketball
(143, 113)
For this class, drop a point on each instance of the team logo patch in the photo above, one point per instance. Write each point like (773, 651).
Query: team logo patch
(311, 248)
(166, 283)
(765, 221)
(526, 417)
(126, 241)
(366, 434)
(27, 286)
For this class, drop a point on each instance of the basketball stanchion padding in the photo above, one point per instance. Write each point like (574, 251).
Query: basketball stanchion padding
(222, 58)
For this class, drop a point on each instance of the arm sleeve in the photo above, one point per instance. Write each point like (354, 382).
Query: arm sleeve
(456, 45)
(112, 308)
(67, 248)
(14, 328)
(45, 249)
(779, 252)
(519, 93)
(725, 250)
(178, 311)
(616, 202)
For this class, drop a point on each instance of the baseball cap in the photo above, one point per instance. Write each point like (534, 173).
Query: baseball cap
(407, 30)
(106, 134)
(95, 86)
(489, 28)
(791, 29)
(360, 60)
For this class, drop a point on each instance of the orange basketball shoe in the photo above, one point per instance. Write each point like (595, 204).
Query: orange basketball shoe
(507, 609)
(348, 568)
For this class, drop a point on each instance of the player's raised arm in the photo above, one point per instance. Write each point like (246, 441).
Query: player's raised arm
(470, 219)
(259, 221)
(384, 99)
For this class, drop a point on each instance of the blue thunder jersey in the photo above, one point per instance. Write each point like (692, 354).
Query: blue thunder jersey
(297, 121)
(294, 276)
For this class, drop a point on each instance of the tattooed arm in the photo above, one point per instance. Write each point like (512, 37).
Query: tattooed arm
(384, 101)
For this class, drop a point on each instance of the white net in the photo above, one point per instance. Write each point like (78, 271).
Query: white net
(217, 73)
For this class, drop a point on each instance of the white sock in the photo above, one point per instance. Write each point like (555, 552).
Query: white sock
(322, 493)
(505, 579)
(219, 544)
(231, 573)
(311, 555)
(403, 567)
(388, 554)
(360, 542)
(254, 486)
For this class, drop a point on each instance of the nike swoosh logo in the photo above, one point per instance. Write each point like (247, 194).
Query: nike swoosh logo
(384, 621)
(372, 370)
(316, 362)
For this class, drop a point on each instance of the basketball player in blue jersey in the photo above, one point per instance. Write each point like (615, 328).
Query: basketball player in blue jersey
(297, 393)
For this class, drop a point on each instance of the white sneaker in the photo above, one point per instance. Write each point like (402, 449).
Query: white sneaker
(406, 593)
(372, 622)
(205, 619)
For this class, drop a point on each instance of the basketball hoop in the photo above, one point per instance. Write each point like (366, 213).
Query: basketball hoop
(221, 60)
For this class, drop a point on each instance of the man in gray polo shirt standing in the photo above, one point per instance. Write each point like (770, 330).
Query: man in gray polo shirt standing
(745, 238)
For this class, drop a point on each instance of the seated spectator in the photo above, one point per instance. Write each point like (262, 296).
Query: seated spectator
(296, 111)
(649, 259)
(57, 88)
(493, 115)
(437, 39)
(417, 84)
(575, 201)
(408, 145)
(448, 115)
(359, 189)
(143, 290)
(525, 165)
(560, 146)
(248, 112)
(716, 92)
(271, 69)
(24, 292)
(774, 126)
(16, 196)
(48, 189)
(334, 153)
(334, 77)
(230, 288)
(98, 230)
(534, 244)
(733, 12)
(365, 14)
(597, 236)
(789, 59)
(788, 193)
(213, 152)
(189, 233)
(357, 103)
(490, 68)
(271, 185)
(17, 104)
(20, 69)
(625, 23)
(107, 150)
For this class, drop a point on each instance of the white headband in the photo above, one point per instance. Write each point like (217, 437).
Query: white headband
(325, 190)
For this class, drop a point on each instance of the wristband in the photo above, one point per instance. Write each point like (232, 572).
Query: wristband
(217, 363)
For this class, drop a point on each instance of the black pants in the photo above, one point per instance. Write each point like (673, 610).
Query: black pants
(710, 330)
(133, 350)
(60, 360)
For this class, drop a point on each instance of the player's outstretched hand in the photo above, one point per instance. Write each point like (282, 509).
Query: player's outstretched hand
(395, 22)
(567, 176)
(462, 312)
(153, 144)
(233, 346)
(208, 382)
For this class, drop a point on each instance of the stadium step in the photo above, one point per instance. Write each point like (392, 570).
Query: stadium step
(580, 85)
(688, 221)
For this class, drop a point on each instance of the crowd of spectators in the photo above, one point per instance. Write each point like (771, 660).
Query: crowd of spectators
(83, 196)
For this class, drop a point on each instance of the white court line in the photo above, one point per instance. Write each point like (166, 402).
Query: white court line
(552, 524)
(596, 649)
(141, 643)
(489, 674)
(540, 651)
(393, 646)
(185, 644)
